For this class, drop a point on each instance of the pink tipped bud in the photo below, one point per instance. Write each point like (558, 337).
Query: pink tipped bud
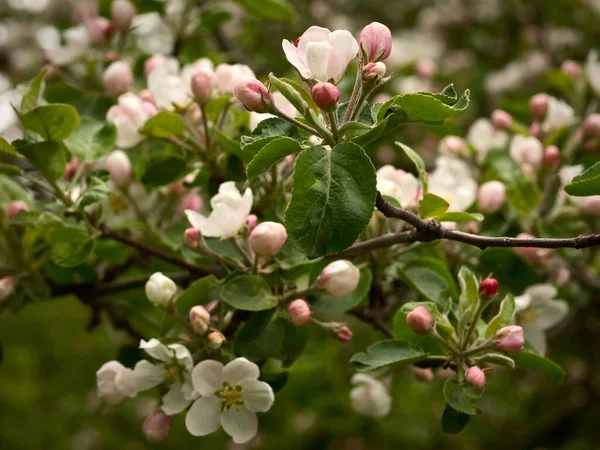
(571, 68)
(419, 320)
(299, 312)
(251, 221)
(538, 105)
(15, 207)
(590, 206)
(591, 125)
(376, 41)
(375, 70)
(99, 28)
(191, 201)
(253, 94)
(423, 374)
(535, 130)
(119, 168)
(71, 169)
(510, 339)
(203, 85)
(502, 120)
(488, 287)
(215, 340)
(267, 238)
(157, 426)
(491, 196)
(122, 13)
(453, 146)
(339, 278)
(551, 156)
(343, 333)
(117, 79)
(425, 68)
(199, 319)
(528, 253)
(7, 288)
(475, 377)
(325, 95)
(192, 237)
(154, 62)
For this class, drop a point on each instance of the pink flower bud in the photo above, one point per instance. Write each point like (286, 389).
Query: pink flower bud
(191, 201)
(571, 68)
(85, 10)
(376, 41)
(510, 339)
(199, 319)
(423, 374)
(7, 288)
(491, 196)
(267, 238)
(475, 377)
(453, 146)
(488, 287)
(590, 206)
(528, 253)
(535, 130)
(538, 105)
(251, 221)
(154, 62)
(419, 320)
(117, 78)
(99, 28)
(339, 278)
(253, 94)
(343, 333)
(299, 312)
(15, 207)
(203, 84)
(425, 68)
(591, 125)
(551, 156)
(325, 95)
(502, 120)
(122, 13)
(119, 168)
(157, 426)
(215, 340)
(374, 70)
(192, 237)
(71, 169)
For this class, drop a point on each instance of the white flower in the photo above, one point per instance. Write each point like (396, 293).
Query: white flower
(10, 126)
(538, 310)
(228, 75)
(229, 211)
(559, 115)
(483, 136)
(77, 42)
(231, 396)
(452, 181)
(369, 396)
(168, 87)
(153, 34)
(412, 84)
(566, 175)
(174, 369)
(114, 384)
(129, 116)
(527, 149)
(322, 54)
(592, 71)
(282, 103)
(396, 183)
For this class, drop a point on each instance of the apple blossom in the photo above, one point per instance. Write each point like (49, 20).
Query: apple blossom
(373, 71)
(571, 68)
(551, 156)
(199, 319)
(15, 207)
(231, 395)
(122, 13)
(157, 426)
(325, 95)
(203, 83)
(299, 312)
(339, 278)
(117, 79)
(475, 377)
(591, 125)
(376, 41)
(369, 396)
(322, 54)
(229, 75)
(528, 150)
(420, 320)
(129, 116)
(559, 115)
(114, 382)
(488, 287)
(538, 105)
(192, 237)
(7, 288)
(119, 167)
(453, 146)
(491, 196)
(229, 212)
(153, 62)
(483, 136)
(215, 340)
(253, 94)
(160, 290)
(510, 339)
(169, 89)
(502, 120)
(452, 180)
(267, 238)
(395, 183)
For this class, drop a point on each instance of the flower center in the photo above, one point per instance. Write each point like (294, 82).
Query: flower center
(230, 396)
(173, 372)
(528, 316)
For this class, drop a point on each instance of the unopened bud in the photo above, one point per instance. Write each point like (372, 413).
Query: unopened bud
(157, 426)
(376, 41)
(488, 287)
(491, 196)
(423, 374)
(510, 339)
(502, 120)
(192, 237)
(71, 169)
(535, 130)
(251, 221)
(160, 290)
(199, 319)
(343, 333)
(203, 85)
(117, 79)
(267, 238)
(339, 278)
(122, 13)
(551, 156)
(538, 105)
(590, 206)
(420, 320)
(15, 207)
(325, 95)
(591, 125)
(154, 62)
(119, 168)
(191, 201)
(475, 377)
(453, 146)
(215, 340)
(253, 94)
(571, 68)
(99, 29)
(299, 312)
(7, 288)
(374, 71)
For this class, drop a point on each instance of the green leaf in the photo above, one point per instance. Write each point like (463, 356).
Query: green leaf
(69, 246)
(231, 146)
(33, 97)
(352, 130)
(269, 9)
(586, 183)
(200, 292)
(294, 342)
(453, 421)
(432, 206)
(385, 353)
(537, 362)
(457, 396)
(468, 301)
(271, 154)
(266, 131)
(163, 169)
(459, 216)
(332, 199)
(48, 157)
(248, 293)
(329, 304)
(521, 192)
(6, 147)
(165, 124)
(504, 316)
(10, 170)
(92, 140)
(53, 122)
(296, 95)
(419, 164)
(393, 120)
(495, 358)
(260, 338)
(97, 190)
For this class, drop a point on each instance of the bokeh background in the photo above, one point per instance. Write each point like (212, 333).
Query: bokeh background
(504, 51)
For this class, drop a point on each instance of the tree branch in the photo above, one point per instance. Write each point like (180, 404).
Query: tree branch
(372, 317)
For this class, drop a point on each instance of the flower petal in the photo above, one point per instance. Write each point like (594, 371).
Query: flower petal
(204, 415)
(157, 350)
(173, 402)
(291, 54)
(550, 314)
(206, 376)
(183, 355)
(238, 370)
(240, 424)
(541, 293)
(312, 34)
(147, 375)
(522, 302)
(257, 395)
(537, 338)
(317, 59)
(344, 49)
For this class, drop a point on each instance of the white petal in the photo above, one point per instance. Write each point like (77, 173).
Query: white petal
(317, 59)
(197, 220)
(550, 314)
(206, 377)
(522, 302)
(257, 395)
(240, 424)
(541, 292)
(537, 338)
(204, 416)
(593, 71)
(173, 402)
(313, 34)
(183, 355)
(245, 206)
(238, 370)
(156, 349)
(147, 375)
(344, 49)
(291, 53)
